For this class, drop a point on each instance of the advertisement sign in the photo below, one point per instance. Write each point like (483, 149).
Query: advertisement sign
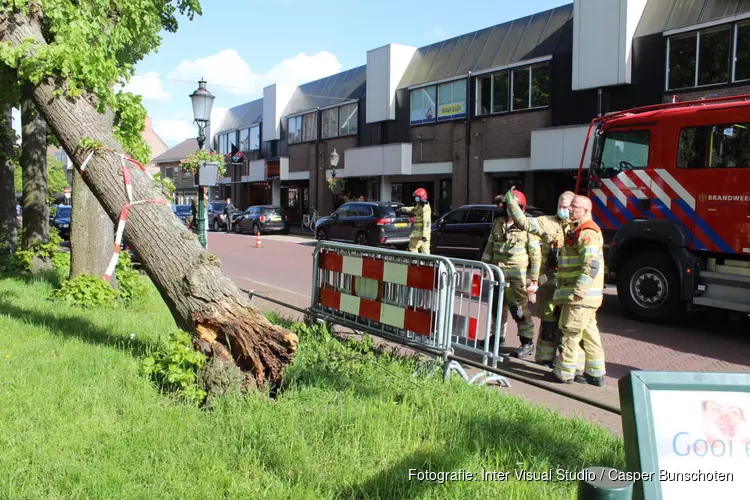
(451, 111)
(687, 435)
(273, 171)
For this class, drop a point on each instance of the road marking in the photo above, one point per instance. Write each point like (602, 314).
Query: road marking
(271, 286)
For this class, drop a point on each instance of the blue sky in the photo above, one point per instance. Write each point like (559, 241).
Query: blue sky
(240, 46)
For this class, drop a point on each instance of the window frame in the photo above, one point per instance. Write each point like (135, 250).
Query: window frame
(486, 212)
(510, 72)
(355, 105)
(423, 88)
(464, 211)
(733, 29)
(250, 137)
(323, 112)
(240, 146)
(298, 130)
(453, 116)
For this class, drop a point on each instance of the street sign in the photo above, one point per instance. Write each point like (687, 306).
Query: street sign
(209, 174)
(686, 433)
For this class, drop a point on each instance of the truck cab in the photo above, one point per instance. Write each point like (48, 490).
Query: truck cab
(670, 187)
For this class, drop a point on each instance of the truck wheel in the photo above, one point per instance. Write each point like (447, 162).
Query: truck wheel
(649, 288)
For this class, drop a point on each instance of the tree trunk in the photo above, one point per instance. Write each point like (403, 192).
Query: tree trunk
(201, 297)
(91, 232)
(8, 222)
(34, 166)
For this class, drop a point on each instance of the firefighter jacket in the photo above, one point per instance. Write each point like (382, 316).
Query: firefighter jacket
(513, 250)
(549, 228)
(422, 220)
(581, 270)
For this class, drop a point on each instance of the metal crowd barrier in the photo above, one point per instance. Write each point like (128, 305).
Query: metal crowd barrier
(412, 299)
(477, 284)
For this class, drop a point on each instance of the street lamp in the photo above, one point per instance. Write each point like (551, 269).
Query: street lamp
(334, 162)
(202, 101)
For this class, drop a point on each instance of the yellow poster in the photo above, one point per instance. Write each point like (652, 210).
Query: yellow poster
(454, 109)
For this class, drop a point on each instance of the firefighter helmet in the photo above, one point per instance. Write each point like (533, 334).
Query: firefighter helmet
(520, 199)
(422, 194)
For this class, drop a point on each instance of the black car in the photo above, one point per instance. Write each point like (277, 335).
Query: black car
(262, 219)
(464, 231)
(366, 223)
(61, 220)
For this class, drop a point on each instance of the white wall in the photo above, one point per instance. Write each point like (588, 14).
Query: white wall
(559, 148)
(391, 159)
(603, 41)
(385, 67)
(257, 172)
(275, 99)
(507, 165)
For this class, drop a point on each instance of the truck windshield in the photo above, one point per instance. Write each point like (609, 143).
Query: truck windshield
(619, 151)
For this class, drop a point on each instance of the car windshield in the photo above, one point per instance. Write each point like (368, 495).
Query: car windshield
(182, 209)
(219, 207)
(627, 150)
(64, 212)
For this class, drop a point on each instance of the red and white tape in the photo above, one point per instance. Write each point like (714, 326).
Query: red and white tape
(126, 210)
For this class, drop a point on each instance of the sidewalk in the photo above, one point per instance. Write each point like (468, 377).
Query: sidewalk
(567, 407)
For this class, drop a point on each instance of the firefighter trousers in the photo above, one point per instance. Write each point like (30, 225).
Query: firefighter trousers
(579, 329)
(515, 302)
(548, 342)
(416, 245)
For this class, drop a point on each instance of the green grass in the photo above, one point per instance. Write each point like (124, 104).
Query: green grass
(79, 421)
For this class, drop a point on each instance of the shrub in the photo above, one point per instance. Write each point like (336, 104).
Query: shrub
(174, 365)
(21, 261)
(131, 285)
(87, 291)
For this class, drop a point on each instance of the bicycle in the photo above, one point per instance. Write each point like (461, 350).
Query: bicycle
(309, 220)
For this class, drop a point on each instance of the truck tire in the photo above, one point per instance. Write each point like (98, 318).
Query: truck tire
(649, 288)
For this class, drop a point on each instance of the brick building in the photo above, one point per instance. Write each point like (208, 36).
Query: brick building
(522, 92)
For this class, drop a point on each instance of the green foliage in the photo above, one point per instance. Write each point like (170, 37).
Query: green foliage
(87, 291)
(167, 186)
(130, 284)
(174, 365)
(193, 162)
(61, 260)
(130, 120)
(57, 181)
(21, 260)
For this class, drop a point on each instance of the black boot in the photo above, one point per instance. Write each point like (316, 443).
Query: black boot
(492, 341)
(526, 349)
(551, 377)
(595, 381)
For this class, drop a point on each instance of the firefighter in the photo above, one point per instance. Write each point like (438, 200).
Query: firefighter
(580, 290)
(551, 229)
(514, 250)
(420, 235)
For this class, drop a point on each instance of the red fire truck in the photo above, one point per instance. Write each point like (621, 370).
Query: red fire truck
(670, 186)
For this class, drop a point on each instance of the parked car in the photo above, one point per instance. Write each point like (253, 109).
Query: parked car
(262, 219)
(366, 223)
(216, 219)
(61, 220)
(463, 232)
(184, 213)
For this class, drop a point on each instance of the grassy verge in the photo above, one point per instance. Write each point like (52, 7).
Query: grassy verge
(79, 421)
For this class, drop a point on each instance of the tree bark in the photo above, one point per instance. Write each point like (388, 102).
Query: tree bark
(34, 168)
(201, 297)
(91, 232)
(8, 222)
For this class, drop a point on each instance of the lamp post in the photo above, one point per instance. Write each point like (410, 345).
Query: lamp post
(202, 101)
(334, 157)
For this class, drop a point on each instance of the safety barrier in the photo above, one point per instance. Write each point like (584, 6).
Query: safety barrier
(422, 301)
(478, 287)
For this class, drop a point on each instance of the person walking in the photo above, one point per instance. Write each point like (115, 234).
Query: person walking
(421, 232)
(514, 250)
(229, 208)
(551, 230)
(580, 291)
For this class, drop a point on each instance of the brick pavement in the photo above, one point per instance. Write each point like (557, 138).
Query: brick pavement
(704, 342)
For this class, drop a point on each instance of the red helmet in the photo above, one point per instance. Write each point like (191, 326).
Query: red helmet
(421, 193)
(520, 199)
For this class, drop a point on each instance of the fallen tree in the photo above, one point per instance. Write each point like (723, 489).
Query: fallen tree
(190, 280)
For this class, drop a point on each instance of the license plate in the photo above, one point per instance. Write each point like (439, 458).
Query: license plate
(276, 218)
(401, 224)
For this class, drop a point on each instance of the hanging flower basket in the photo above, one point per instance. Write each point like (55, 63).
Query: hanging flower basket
(335, 184)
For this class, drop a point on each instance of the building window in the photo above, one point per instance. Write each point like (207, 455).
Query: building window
(330, 123)
(294, 130)
(422, 105)
(699, 58)
(492, 93)
(245, 139)
(530, 87)
(742, 53)
(254, 138)
(224, 144)
(348, 115)
(309, 127)
(452, 100)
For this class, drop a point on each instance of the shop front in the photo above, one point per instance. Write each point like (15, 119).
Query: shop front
(258, 193)
(295, 199)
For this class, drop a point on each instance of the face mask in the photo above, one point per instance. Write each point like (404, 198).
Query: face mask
(417, 198)
(563, 213)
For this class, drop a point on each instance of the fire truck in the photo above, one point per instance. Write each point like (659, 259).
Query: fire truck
(670, 187)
